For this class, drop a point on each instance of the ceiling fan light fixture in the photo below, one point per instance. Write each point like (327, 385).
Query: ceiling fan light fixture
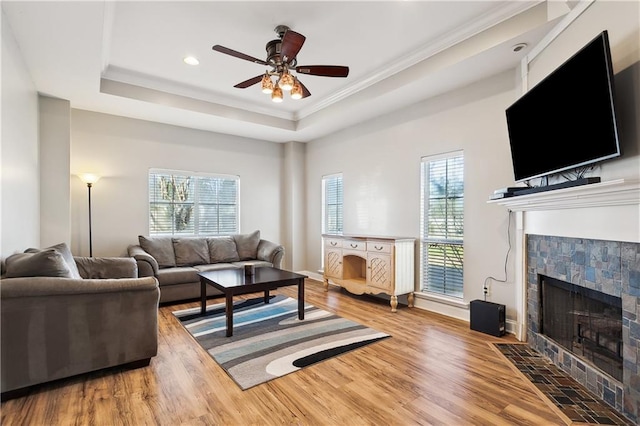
(276, 96)
(286, 81)
(267, 84)
(281, 57)
(296, 90)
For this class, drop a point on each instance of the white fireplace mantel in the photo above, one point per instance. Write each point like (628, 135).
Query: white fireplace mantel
(606, 210)
(611, 193)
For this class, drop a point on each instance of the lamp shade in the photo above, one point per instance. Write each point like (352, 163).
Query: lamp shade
(266, 84)
(276, 96)
(296, 90)
(89, 178)
(286, 81)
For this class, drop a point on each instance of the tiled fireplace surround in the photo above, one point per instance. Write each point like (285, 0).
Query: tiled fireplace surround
(588, 236)
(611, 267)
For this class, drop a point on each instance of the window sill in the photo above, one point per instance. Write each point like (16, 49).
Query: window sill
(451, 301)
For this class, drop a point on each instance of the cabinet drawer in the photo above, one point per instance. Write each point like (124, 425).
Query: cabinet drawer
(379, 247)
(354, 245)
(333, 242)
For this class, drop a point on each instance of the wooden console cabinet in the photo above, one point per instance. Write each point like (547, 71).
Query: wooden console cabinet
(371, 265)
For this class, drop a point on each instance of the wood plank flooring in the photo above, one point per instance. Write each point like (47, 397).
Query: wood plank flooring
(433, 371)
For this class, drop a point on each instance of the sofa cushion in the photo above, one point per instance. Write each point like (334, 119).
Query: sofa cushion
(247, 245)
(222, 249)
(191, 251)
(64, 250)
(161, 248)
(44, 263)
(178, 275)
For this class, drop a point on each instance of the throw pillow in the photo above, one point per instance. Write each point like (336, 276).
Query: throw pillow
(191, 251)
(223, 249)
(247, 245)
(64, 250)
(44, 263)
(161, 248)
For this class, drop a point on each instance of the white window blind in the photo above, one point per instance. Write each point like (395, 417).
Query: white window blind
(186, 203)
(442, 224)
(332, 206)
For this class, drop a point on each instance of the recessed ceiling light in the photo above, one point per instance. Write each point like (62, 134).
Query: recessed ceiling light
(190, 60)
(518, 47)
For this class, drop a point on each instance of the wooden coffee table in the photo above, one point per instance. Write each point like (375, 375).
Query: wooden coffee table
(232, 282)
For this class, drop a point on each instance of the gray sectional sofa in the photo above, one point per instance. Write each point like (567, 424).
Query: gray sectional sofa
(175, 261)
(62, 316)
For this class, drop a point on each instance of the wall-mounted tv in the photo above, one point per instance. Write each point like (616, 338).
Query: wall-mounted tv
(567, 120)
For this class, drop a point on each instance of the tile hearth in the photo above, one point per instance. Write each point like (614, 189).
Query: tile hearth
(569, 396)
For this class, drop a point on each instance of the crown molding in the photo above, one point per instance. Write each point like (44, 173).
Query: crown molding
(172, 88)
(158, 97)
(477, 25)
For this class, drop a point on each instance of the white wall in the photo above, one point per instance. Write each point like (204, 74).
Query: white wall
(380, 161)
(617, 222)
(122, 150)
(19, 181)
(55, 137)
(621, 19)
(294, 215)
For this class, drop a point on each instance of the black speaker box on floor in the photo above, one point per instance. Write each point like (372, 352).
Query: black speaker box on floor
(488, 317)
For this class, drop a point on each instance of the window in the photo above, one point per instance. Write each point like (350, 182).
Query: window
(441, 228)
(332, 204)
(188, 203)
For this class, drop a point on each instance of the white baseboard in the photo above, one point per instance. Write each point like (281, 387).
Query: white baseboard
(312, 275)
(512, 327)
(451, 310)
(438, 307)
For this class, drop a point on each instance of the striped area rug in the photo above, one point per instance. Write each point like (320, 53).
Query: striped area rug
(269, 341)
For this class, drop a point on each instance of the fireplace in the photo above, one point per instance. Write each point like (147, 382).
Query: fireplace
(586, 322)
(588, 236)
(583, 304)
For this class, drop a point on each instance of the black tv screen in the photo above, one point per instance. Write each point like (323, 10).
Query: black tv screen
(567, 120)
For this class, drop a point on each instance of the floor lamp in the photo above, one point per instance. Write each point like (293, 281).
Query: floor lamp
(89, 179)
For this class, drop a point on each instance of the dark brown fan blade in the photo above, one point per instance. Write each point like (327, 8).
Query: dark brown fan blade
(305, 91)
(323, 70)
(236, 54)
(249, 82)
(291, 44)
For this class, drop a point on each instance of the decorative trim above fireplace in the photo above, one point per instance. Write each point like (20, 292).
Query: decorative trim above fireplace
(611, 193)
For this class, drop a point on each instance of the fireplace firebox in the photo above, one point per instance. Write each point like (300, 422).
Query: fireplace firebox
(584, 321)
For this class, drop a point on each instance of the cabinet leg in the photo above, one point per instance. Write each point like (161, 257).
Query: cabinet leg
(410, 299)
(326, 284)
(394, 303)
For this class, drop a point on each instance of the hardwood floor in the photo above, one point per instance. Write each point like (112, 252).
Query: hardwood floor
(433, 370)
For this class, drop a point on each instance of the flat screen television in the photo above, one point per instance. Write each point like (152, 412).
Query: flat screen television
(568, 119)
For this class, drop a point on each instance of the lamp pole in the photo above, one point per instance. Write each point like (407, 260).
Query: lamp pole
(89, 185)
(89, 179)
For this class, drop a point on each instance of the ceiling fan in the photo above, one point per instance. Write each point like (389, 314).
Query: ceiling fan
(281, 57)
